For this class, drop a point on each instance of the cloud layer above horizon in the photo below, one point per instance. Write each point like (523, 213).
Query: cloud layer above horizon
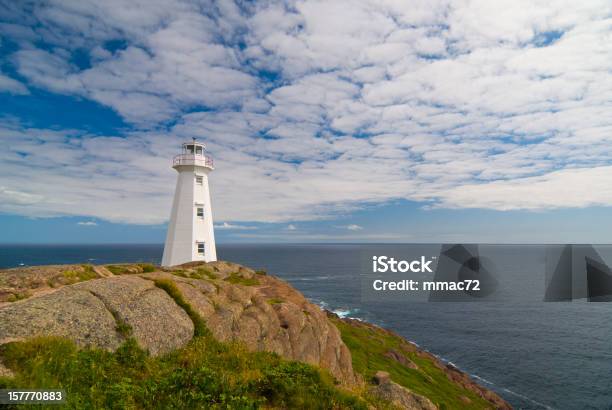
(311, 108)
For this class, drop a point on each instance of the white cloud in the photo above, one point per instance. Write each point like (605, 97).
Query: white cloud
(350, 227)
(229, 226)
(354, 227)
(451, 103)
(175, 58)
(19, 198)
(9, 85)
(87, 223)
(579, 188)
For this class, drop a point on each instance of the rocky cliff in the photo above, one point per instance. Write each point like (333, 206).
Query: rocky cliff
(105, 306)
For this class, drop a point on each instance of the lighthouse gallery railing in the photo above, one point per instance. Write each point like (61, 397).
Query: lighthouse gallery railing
(193, 159)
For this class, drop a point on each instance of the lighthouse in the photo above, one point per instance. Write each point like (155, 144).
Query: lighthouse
(191, 236)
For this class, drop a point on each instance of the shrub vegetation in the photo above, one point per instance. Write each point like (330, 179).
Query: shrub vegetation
(370, 349)
(237, 279)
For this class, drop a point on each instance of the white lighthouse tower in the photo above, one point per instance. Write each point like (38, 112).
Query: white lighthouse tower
(190, 232)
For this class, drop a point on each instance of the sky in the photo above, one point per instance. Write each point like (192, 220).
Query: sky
(329, 121)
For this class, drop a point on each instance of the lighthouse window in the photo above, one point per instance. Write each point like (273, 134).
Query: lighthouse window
(200, 212)
(201, 248)
(199, 179)
(198, 150)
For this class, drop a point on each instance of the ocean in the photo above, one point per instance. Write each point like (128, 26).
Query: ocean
(537, 355)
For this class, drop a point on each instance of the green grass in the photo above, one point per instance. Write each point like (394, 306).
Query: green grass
(180, 272)
(202, 273)
(275, 301)
(118, 269)
(237, 279)
(171, 289)
(86, 272)
(201, 375)
(89, 272)
(368, 347)
(122, 327)
(147, 267)
(19, 296)
(127, 269)
(204, 374)
(262, 272)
